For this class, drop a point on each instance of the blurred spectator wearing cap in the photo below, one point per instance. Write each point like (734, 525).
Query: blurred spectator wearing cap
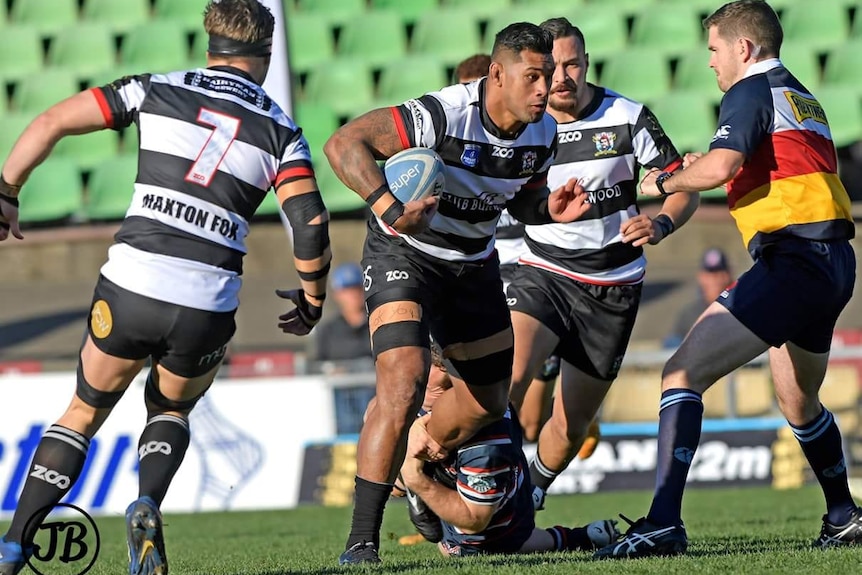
(345, 336)
(713, 277)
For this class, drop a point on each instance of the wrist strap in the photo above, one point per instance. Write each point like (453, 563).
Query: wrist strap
(659, 182)
(8, 190)
(665, 223)
(392, 213)
(376, 195)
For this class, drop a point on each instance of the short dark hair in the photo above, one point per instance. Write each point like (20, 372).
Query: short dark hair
(473, 67)
(562, 28)
(754, 19)
(242, 20)
(522, 36)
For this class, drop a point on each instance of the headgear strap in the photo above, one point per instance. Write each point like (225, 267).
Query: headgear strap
(223, 46)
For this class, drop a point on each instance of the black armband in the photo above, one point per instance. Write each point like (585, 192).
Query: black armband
(392, 213)
(309, 240)
(376, 195)
(315, 275)
(665, 223)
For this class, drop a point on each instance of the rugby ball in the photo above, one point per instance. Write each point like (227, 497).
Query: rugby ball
(415, 173)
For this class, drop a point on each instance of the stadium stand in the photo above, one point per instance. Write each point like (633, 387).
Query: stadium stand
(447, 34)
(20, 52)
(47, 16)
(410, 77)
(311, 41)
(110, 188)
(634, 396)
(88, 150)
(84, 49)
(118, 15)
(54, 192)
(157, 46)
(375, 37)
(650, 50)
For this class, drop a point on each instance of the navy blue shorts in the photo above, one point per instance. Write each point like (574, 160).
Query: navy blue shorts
(795, 292)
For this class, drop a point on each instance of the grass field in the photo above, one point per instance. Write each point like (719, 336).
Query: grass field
(742, 531)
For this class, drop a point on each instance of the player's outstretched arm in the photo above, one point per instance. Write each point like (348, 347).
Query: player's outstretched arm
(78, 114)
(353, 151)
(309, 220)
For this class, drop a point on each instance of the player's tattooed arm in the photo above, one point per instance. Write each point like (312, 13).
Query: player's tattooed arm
(353, 151)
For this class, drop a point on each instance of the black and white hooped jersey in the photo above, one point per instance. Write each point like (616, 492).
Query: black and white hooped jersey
(509, 239)
(604, 149)
(212, 144)
(484, 169)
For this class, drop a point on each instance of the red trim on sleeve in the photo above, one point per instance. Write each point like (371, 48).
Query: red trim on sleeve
(293, 174)
(103, 106)
(673, 166)
(402, 129)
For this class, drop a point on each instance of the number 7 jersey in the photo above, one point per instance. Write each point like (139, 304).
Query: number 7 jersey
(212, 144)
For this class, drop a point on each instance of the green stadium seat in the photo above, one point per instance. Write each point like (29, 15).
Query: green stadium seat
(85, 49)
(345, 84)
(110, 188)
(689, 120)
(450, 35)
(803, 63)
(318, 121)
(408, 78)
(114, 73)
(310, 41)
(338, 11)
(409, 11)
(336, 196)
(640, 74)
(118, 15)
(11, 126)
(817, 25)
(376, 37)
(52, 192)
(604, 27)
(188, 12)
(198, 56)
(36, 93)
(483, 9)
(560, 6)
(842, 65)
(502, 19)
(20, 52)
(129, 139)
(157, 46)
(624, 8)
(672, 28)
(843, 107)
(693, 74)
(47, 16)
(88, 150)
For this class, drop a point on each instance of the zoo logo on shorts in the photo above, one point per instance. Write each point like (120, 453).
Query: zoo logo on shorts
(101, 321)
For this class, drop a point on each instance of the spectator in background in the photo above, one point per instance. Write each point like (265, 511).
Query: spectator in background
(344, 337)
(473, 68)
(714, 276)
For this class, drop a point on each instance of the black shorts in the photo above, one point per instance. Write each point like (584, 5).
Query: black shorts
(189, 342)
(594, 322)
(462, 302)
(794, 292)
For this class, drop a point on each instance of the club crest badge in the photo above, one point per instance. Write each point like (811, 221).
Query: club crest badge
(470, 155)
(605, 142)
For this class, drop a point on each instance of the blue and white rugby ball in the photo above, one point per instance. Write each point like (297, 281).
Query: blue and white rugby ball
(415, 173)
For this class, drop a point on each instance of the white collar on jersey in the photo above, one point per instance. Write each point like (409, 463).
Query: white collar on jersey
(762, 66)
